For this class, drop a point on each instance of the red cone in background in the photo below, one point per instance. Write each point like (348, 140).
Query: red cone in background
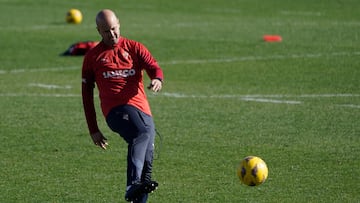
(272, 38)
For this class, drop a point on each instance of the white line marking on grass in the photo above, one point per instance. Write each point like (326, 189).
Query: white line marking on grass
(200, 61)
(350, 106)
(48, 86)
(247, 97)
(37, 95)
(270, 101)
(174, 95)
(301, 95)
(17, 71)
(349, 23)
(180, 95)
(301, 13)
(241, 97)
(254, 98)
(328, 95)
(259, 58)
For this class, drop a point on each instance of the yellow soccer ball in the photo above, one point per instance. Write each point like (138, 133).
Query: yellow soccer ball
(252, 171)
(74, 16)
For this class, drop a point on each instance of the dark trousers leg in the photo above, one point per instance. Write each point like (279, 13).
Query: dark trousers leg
(137, 129)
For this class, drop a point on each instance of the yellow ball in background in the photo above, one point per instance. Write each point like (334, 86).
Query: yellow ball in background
(74, 16)
(252, 171)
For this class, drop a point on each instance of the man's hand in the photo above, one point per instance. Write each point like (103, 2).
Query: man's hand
(99, 139)
(155, 85)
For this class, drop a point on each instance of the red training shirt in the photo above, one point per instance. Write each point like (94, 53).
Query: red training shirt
(118, 74)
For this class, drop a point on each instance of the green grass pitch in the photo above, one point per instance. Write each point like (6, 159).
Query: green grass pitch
(227, 94)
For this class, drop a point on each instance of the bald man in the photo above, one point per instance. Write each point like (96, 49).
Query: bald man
(116, 66)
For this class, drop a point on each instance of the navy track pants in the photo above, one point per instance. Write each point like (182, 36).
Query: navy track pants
(138, 130)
